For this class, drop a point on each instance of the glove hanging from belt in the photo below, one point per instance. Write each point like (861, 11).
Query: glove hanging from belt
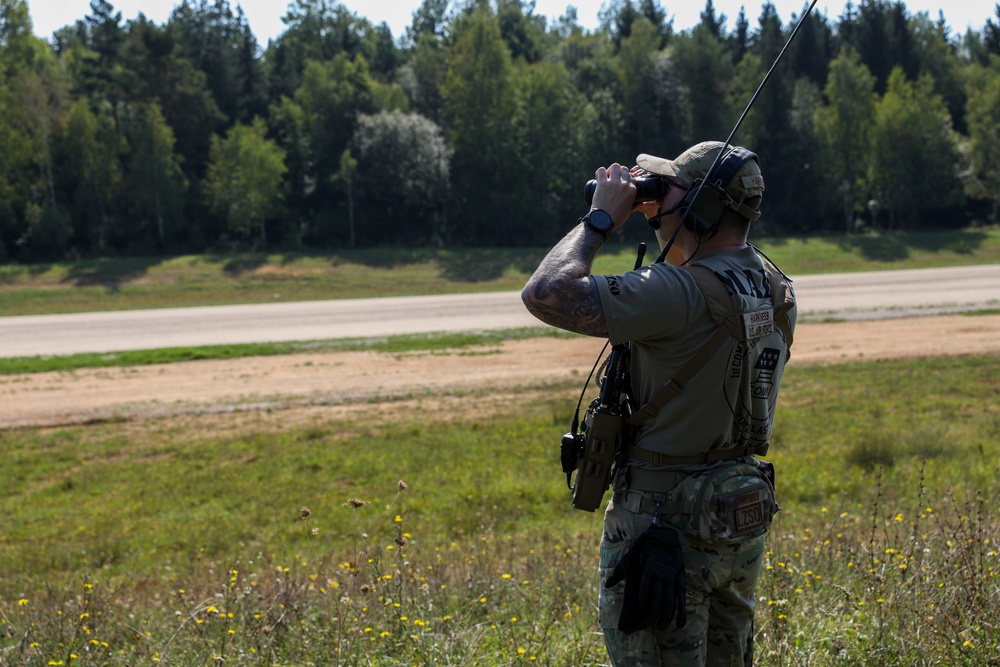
(653, 571)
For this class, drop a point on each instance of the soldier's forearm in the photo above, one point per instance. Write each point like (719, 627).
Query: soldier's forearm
(561, 292)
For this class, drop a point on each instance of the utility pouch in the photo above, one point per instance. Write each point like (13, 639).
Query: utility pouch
(593, 475)
(604, 432)
(733, 501)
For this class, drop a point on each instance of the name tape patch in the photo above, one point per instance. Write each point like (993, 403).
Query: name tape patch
(748, 512)
(759, 323)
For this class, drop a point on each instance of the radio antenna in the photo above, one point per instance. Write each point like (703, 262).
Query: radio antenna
(729, 139)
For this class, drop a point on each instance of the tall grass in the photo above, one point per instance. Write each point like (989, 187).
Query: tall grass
(906, 585)
(286, 538)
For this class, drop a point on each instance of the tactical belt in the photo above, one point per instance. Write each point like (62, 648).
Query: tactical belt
(652, 481)
(642, 504)
(641, 482)
(713, 456)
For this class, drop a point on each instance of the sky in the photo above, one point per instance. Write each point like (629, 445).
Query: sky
(264, 16)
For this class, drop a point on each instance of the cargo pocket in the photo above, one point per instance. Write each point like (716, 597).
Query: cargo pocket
(609, 600)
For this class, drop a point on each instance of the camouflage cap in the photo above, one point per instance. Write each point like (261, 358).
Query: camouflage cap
(695, 162)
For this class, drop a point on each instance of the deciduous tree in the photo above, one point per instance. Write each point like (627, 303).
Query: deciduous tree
(154, 182)
(90, 158)
(844, 127)
(244, 183)
(915, 162)
(402, 173)
(984, 135)
(479, 106)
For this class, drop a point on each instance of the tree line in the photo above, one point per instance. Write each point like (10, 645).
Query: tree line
(479, 126)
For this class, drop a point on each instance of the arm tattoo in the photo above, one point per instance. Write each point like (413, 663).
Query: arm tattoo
(561, 292)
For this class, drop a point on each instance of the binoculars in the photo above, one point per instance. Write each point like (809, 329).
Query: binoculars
(647, 188)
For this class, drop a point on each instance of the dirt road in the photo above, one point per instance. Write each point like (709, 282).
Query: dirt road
(345, 378)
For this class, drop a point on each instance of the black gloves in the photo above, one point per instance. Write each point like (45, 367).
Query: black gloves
(653, 570)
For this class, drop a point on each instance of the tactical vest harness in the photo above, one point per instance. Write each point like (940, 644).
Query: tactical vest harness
(732, 323)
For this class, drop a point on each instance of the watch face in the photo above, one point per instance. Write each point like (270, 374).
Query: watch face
(600, 220)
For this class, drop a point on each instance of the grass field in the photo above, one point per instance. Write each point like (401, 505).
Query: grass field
(390, 344)
(285, 538)
(119, 284)
(438, 531)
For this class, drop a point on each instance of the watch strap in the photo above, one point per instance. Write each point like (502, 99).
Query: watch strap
(588, 221)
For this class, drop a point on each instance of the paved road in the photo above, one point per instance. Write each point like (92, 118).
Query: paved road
(846, 296)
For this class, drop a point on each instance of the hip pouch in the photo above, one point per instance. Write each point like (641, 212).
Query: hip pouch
(735, 501)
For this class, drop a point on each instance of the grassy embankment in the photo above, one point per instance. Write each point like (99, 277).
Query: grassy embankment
(194, 281)
(185, 540)
(120, 284)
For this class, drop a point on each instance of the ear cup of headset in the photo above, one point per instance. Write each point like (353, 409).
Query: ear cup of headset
(705, 212)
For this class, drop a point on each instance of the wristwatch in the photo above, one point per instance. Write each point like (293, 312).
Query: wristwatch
(600, 221)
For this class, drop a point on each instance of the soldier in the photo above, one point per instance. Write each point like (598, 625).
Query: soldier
(709, 333)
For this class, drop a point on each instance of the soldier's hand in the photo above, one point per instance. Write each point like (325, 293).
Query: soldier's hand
(615, 192)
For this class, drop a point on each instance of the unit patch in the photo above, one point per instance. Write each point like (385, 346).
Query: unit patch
(767, 364)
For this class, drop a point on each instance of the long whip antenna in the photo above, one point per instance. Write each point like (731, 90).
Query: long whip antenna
(729, 139)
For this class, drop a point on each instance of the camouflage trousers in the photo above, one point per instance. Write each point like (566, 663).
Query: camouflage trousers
(721, 577)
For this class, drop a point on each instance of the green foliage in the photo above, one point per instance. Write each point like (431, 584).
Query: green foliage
(522, 31)
(423, 74)
(637, 80)
(550, 139)
(479, 108)
(211, 34)
(154, 176)
(402, 168)
(844, 128)
(706, 73)
(984, 134)
(244, 180)
(914, 164)
(314, 128)
(527, 112)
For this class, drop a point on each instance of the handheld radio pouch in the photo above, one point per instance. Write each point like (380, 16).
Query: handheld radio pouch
(592, 452)
(598, 444)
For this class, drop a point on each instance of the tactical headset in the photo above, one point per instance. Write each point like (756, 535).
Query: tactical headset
(704, 204)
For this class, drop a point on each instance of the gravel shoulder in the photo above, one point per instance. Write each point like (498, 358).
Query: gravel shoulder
(326, 380)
